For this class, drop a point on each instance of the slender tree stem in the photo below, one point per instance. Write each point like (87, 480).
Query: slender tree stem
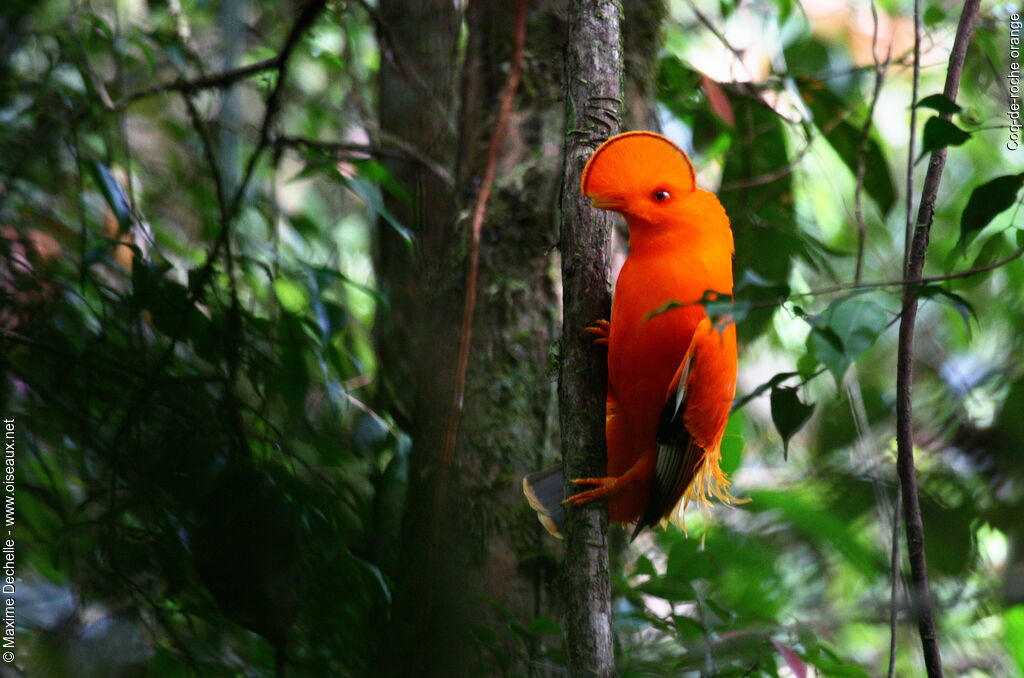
(894, 575)
(908, 233)
(594, 96)
(920, 594)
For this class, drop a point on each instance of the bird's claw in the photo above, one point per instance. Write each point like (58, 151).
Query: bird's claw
(605, 487)
(600, 329)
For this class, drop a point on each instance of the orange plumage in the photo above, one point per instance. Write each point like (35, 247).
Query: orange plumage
(671, 370)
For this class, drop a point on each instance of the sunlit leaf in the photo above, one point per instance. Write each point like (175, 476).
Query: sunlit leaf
(845, 330)
(1013, 621)
(294, 297)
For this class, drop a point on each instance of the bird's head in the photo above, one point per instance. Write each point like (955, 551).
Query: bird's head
(641, 175)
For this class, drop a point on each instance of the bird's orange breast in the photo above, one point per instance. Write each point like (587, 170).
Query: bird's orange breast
(645, 347)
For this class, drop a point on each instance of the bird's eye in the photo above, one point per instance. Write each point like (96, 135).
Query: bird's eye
(661, 196)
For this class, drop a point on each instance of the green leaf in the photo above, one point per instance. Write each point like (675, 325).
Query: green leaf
(686, 561)
(112, 193)
(940, 133)
(732, 443)
(668, 588)
(1013, 622)
(934, 15)
(942, 295)
(294, 297)
(987, 201)
(688, 628)
(723, 310)
(789, 414)
(845, 330)
(679, 89)
(771, 383)
(939, 103)
(644, 566)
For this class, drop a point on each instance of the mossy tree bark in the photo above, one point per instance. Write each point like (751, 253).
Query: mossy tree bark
(473, 554)
(593, 77)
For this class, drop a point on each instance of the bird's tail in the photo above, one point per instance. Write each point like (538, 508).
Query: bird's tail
(545, 491)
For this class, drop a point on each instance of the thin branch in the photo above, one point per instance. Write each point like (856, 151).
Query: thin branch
(386, 146)
(786, 169)
(310, 11)
(905, 283)
(920, 593)
(209, 154)
(479, 211)
(708, 24)
(865, 133)
(214, 81)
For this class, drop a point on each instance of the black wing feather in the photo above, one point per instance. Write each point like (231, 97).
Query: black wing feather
(679, 458)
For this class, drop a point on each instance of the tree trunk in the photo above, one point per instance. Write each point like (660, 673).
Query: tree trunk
(593, 76)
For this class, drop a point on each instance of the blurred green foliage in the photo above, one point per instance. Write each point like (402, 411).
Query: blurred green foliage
(208, 485)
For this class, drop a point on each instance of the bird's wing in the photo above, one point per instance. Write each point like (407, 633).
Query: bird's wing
(692, 421)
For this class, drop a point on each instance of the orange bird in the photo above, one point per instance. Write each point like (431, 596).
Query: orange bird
(671, 368)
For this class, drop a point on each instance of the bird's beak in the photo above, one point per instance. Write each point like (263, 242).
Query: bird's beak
(611, 204)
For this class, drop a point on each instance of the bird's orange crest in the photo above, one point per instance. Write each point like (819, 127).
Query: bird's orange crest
(634, 160)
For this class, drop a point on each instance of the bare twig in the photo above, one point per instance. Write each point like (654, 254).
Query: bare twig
(920, 594)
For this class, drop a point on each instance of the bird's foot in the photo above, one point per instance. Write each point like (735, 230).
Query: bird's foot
(605, 488)
(600, 329)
